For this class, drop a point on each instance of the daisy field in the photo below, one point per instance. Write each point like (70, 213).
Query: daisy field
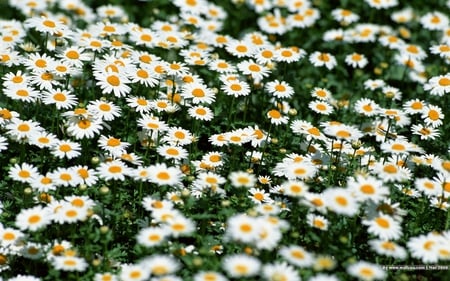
(224, 140)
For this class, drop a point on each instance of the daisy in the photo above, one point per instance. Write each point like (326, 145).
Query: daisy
(178, 136)
(23, 93)
(242, 179)
(152, 236)
(74, 56)
(241, 265)
(356, 60)
(425, 132)
(114, 146)
(341, 201)
(384, 226)
(289, 54)
(113, 170)
(44, 80)
(321, 107)
(434, 21)
(164, 175)
(104, 110)
(235, 88)
(112, 82)
(221, 66)
(209, 276)
(83, 127)
(66, 149)
(294, 188)
(443, 50)
(201, 113)
(255, 70)
(296, 255)
(414, 106)
(160, 265)
(432, 116)
(388, 248)
(279, 89)
(243, 228)
(39, 63)
(367, 107)
(413, 51)
(180, 226)
(276, 117)
(65, 177)
(62, 99)
(366, 271)
(344, 16)
(68, 213)
(367, 188)
(139, 104)
(172, 152)
(280, 270)
(198, 92)
(10, 236)
(323, 59)
(343, 132)
(106, 276)
(134, 272)
(46, 25)
(317, 221)
(239, 48)
(258, 196)
(391, 172)
(265, 55)
(152, 123)
(23, 173)
(33, 219)
(12, 79)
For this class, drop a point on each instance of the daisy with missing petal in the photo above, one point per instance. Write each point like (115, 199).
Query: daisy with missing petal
(341, 201)
(113, 170)
(62, 99)
(33, 219)
(323, 59)
(317, 221)
(12, 79)
(296, 255)
(356, 60)
(279, 89)
(198, 93)
(388, 248)
(241, 265)
(66, 149)
(384, 226)
(366, 271)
